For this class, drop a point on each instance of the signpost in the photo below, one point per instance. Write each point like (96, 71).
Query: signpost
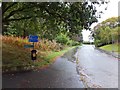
(28, 46)
(32, 38)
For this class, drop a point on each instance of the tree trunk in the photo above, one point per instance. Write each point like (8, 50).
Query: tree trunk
(24, 34)
(4, 27)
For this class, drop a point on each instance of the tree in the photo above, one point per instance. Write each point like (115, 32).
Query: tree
(49, 17)
(106, 32)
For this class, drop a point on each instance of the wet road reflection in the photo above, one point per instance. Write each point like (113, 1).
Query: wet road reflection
(61, 74)
(96, 68)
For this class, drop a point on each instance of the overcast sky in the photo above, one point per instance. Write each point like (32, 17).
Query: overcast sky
(112, 11)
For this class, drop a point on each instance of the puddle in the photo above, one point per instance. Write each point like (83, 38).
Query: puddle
(86, 80)
(70, 55)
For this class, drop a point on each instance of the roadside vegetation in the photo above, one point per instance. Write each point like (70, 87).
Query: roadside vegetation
(17, 58)
(57, 24)
(107, 34)
(111, 48)
(87, 42)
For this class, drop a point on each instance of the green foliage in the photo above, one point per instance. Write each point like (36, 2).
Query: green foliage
(111, 47)
(73, 43)
(16, 58)
(53, 55)
(106, 32)
(62, 38)
(110, 21)
(116, 34)
(97, 43)
(47, 19)
(87, 42)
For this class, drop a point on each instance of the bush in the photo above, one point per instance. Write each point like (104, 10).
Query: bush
(97, 43)
(62, 38)
(43, 44)
(73, 43)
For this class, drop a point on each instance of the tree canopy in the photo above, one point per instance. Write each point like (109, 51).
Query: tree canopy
(107, 31)
(47, 19)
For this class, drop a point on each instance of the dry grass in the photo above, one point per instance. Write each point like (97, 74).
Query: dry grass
(16, 57)
(43, 44)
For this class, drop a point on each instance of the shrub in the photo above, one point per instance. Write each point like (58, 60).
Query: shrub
(73, 43)
(97, 43)
(43, 44)
(62, 38)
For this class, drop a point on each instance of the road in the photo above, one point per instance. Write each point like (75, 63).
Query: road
(61, 74)
(81, 68)
(96, 68)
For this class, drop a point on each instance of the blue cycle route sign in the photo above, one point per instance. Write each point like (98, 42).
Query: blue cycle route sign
(33, 38)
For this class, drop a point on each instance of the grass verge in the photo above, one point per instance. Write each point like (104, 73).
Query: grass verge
(50, 57)
(19, 59)
(111, 47)
(15, 59)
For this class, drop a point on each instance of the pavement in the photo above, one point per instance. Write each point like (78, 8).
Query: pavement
(61, 74)
(97, 69)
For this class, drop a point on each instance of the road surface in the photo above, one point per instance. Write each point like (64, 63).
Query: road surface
(96, 68)
(61, 74)
(91, 68)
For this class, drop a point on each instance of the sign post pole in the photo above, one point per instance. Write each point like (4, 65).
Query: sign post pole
(32, 38)
(33, 50)
(33, 45)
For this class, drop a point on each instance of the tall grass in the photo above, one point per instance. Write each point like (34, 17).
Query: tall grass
(42, 44)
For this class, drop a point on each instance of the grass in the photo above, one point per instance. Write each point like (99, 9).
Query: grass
(51, 56)
(54, 54)
(14, 58)
(43, 44)
(111, 47)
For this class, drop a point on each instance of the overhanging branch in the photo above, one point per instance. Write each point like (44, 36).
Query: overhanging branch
(5, 9)
(17, 19)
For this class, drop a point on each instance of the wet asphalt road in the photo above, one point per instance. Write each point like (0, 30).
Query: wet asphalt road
(97, 69)
(61, 74)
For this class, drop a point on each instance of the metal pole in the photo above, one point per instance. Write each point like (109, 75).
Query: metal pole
(33, 45)
(112, 39)
(112, 43)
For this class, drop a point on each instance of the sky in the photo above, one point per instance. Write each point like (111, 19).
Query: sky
(112, 11)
